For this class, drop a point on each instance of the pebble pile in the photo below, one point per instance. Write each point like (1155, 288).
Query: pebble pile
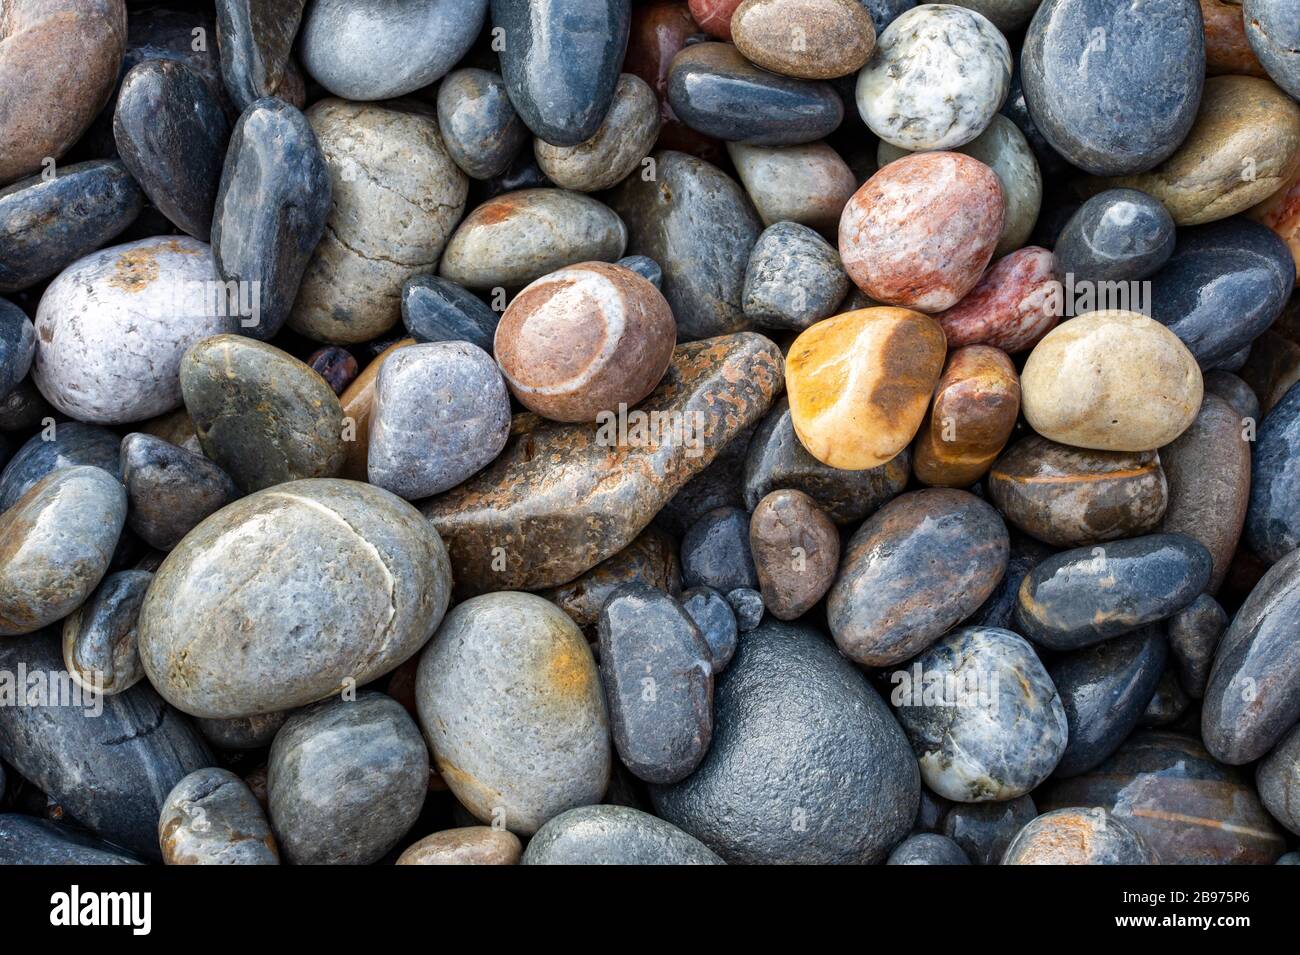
(648, 432)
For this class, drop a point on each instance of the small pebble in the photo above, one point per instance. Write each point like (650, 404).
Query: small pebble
(1273, 518)
(479, 126)
(435, 310)
(1278, 779)
(211, 818)
(614, 835)
(625, 137)
(471, 845)
(1119, 235)
(716, 621)
(1194, 634)
(808, 184)
(170, 490)
(793, 278)
(100, 638)
(242, 732)
(716, 552)
(747, 604)
(927, 848)
(971, 417)
(336, 365)
(834, 38)
(796, 551)
(1078, 837)
(983, 830)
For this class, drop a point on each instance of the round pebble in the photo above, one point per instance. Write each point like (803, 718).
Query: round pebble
(793, 278)
(211, 818)
(983, 830)
(927, 848)
(65, 445)
(808, 184)
(614, 835)
(1118, 235)
(479, 126)
(170, 490)
(625, 137)
(809, 39)
(435, 310)
(796, 552)
(1278, 779)
(471, 845)
(974, 410)
(716, 621)
(1078, 837)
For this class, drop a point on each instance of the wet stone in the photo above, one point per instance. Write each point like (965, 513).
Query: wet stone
(747, 605)
(999, 609)
(72, 444)
(658, 677)
(17, 346)
(1083, 596)
(1273, 518)
(346, 780)
(436, 310)
(715, 552)
(256, 39)
(927, 848)
(796, 550)
(983, 830)
(480, 127)
(625, 137)
(100, 638)
(1278, 780)
(808, 184)
(1120, 235)
(793, 278)
(614, 835)
(1234, 391)
(336, 365)
(469, 845)
(1194, 634)
(650, 560)
(170, 490)
(1079, 837)
(1014, 304)
(212, 818)
(971, 417)
(242, 732)
(716, 621)
(25, 840)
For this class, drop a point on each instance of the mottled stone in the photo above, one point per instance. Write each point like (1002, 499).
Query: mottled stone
(336, 365)
(919, 565)
(1188, 808)
(1120, 106)
(108, 761)
(982, 715)
(100, 637)
(920, 232)
(479, 126)
(71, 443)
(1111, 381)
(520, 237)
(270, 214)
(211, 818)
(1015, 303)
(558, 501)
(57, 541)
(700, 227)
(396, 197)
(1281, 213)
(796, 551)
(1226, 47)
(975, 407)
(715, 551)
(1090, 836)
(807, 765)
(1083, 596)
(270, 564)
(614, 835)
(1273, 518)
(1070, 496)
(793, 278)
(512, 669)
(810, 39)
(860, 383)
(256, 39)
(126, 314)
(346, 780)
(1194, 634)
(442, 413)
(983, 830)
(28, 841)
(618, 332)
(470, 845)
(17, 346)
(1278, 780)
(375, 49)
(808, 184)
(435, 310)
(716, 620)
(927, 848)
(776, 459)
(1168, 704)
(1253, 696)
(1273, 32)
(170, 490)
(59, 61)
(625, 137)
(242, 732)
(747, 605)
(1119, 235)
(1209, 472)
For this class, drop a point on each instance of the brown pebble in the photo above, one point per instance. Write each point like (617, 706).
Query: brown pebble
(810, 39)
(472, 845)
(975, 407)
(796, 549)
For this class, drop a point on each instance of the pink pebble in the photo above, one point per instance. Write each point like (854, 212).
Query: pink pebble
(1017, 302)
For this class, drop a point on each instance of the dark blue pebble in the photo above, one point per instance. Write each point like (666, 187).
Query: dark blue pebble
(24, 407)
(25, 840)
(1273, 516)
(983, 830)
(715, 552)
(1119, 235)
(479, 126)
(437, 310)
(716, 620)
(747, 605)
(645, 267)
(17, 346)
(73, 443)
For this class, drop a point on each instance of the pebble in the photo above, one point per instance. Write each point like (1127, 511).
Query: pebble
(441, 414)
(716, 621)
(17, 346)
(110, 768)
(561, 79)
(809, 184)
(317, 628)
(1278, 779)
(715, 552)
(714, 16)
(619, 335)
(59, 62)
(1118, 235)
(1273, 517)
(256, 40)
(1273, 32)
(939, 75)
(520, 237)
(1188, 808)
(1168, 705)
(100, 637)
(435, 310)
(1253, 697)
(25, 840)
(860, 383)
(1281, 213)
(1194, 634)
(556, 502)
(1122, 106)
(927, 848)
(807, 764)
(125, 314)
(58, 540)
(271, 208)
(700, 227)
(337, 366)
(974, 410)
(776, 459)
(1083, 596)
(919, 565)
(396, 197)
(171, 133)
(999, 609)
(1209, 473)
(809, 39)
(1105, 688)
(470, 845)
(796, 550)
(645, 267)
(1079, 837)
(479, 126)
(982, 715)
(513, 669)
(1273, 366)
(658, 676)
(650, 560)
(718, 485)
(212, 818)
(793, 278)
(1226, 47)
(983, 830)
(921, 231)
(1111, 381)
(71, 443)
(170, 490)
(747, 604)
(346, 780)
(614, 835)
(625, 137)
(1244, 147)
(1069, 497)
(46, 224)
(242, 732)
(373, 49)
(1239, 395)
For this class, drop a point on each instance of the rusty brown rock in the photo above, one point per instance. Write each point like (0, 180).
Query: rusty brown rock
(1226, 48)
(470, 845)
(1017, 302)
(358, 403)
(1281, 213)
(975, 407)
(650, 559)
(796, 550)
(810, 39)
(562, 498)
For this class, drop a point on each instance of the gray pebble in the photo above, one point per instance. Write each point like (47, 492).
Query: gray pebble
(717, 622)
(625, 137)
(747, 605)
(170, 490)
(927, 848)
(1273, 32)
(212, 818)
(17, 346)
(242, 732)
(715, 552)
(794, 278)
(65, 445)
(614, 835)
(1194, 634)
(1278, 779)
(100, 638)
(645, 267)
(983, 830)
(28, 841)
(480, 127)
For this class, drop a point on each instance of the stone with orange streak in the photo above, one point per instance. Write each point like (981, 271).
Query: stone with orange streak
(921, 231)
(1089, 836)
(211, 817)
(1016, 303)
(617, 332)
(1226, 47)
(1281, 213)
(860, 383)
(974, 410)
(468, 845)
(358, 404)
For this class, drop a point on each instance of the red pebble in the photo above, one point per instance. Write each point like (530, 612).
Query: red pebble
(714, 16)
(1017, 302)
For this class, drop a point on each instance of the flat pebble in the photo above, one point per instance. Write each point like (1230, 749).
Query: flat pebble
(927, 848)
(834, 38)
(71, 443)
(479, 126)
(1079, 837)
(170, 490)
(796, 550)
(1118, 235)
(793, 278)
(614, 835)
(625, 137)
(808, 184)
(211, 818)
(100, 638)
(971, 416)
(436, 310)
(1273, 517)
(470, 845)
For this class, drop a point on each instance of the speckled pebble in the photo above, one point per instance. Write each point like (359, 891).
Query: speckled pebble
(796, 551)
(625, 137)
(793, 278)
(747, 604)
(211, 818)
